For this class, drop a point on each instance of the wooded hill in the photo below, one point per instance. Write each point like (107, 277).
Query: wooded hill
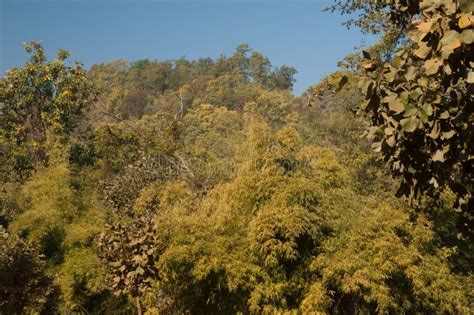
(206, 187)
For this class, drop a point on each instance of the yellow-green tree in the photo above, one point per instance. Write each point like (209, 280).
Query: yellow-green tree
(43, 95)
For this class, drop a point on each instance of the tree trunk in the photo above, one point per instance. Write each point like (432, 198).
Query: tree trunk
(35, 135)
(139, 307)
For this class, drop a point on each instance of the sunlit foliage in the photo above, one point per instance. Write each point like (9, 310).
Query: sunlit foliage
(206, 187)
(44, 95)
(420, 101)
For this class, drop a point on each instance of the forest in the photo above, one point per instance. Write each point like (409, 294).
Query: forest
(206, 187)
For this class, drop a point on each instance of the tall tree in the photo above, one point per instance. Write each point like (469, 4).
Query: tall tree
(43, 95)
(420, 102)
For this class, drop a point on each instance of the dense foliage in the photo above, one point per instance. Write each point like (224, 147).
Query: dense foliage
(23, 282)
(420, 101)
(206, 187)
(42, 97)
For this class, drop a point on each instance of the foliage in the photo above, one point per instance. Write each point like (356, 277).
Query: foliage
(49, 208)
(273, 240)
(83, 280)
(146, 87)
(131, 252)
(122, 191)
(24, 286)
(393, 267)
(60, 218)
(212, 136)
(43, 95)
(206, 187)
(420, 103)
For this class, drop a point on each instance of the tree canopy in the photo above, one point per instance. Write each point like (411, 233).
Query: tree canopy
(420, 100)
(206, 187)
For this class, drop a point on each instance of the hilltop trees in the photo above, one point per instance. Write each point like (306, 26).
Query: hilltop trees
(146, 87)
(206, 187)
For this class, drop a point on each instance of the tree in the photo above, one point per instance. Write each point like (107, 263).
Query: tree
(282, 78)
(191, 188)
(24, 285)
(131, 252)
(259, 67)
(420, 101)
(290, 234)
(42, 96)
(385, 263)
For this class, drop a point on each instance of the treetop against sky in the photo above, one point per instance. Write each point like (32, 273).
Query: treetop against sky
(295, 33)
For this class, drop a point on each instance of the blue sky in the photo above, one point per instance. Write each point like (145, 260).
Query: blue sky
(292, 32)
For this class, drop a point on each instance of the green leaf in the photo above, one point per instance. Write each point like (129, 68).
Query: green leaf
(409, 124)
(467, 37)
(416, 93)
(404, 97)
(409, 110)
(428, 109)
(423, 116)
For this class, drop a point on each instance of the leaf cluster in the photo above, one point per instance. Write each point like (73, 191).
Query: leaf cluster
(420, 103)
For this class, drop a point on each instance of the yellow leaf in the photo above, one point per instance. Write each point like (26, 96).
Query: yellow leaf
(396, 106)
(467, 37)
(470, 77)
(423, 50)
(424, 28)
(450, 42)
(432, 66)
(391, 141)
(438, 156)
(465, 21)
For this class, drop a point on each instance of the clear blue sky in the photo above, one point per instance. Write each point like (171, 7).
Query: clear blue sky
(293, 32)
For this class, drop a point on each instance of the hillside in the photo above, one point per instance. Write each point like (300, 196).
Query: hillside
(206, 187)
